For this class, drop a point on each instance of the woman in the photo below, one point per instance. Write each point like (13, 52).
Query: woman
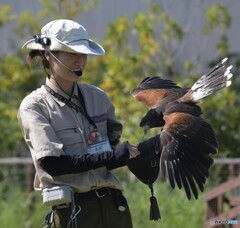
(72, 133)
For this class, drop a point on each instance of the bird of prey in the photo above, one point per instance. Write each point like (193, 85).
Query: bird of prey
(187, 141)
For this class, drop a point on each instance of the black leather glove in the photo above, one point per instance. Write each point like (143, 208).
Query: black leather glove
(150, 148)
(121, 154)
(146, 166)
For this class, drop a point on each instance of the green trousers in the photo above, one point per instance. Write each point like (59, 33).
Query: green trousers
(95, 212)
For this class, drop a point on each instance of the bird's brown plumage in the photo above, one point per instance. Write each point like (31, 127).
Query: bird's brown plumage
(152, 90)
(187, 140)
(151, 97)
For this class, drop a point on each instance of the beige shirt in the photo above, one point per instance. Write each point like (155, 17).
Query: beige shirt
(51, 128)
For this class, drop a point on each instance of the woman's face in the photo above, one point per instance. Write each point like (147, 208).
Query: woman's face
(66, 63)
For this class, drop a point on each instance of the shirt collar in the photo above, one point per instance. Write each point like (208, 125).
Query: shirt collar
(59, 91)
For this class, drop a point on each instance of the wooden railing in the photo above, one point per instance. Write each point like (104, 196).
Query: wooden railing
(222, 204)
(28, 163)
(15, 161)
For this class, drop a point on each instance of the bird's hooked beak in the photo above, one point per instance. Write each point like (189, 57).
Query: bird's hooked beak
(145, 131)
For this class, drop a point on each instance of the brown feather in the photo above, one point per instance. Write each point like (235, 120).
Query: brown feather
(187, 141)
(151, 97)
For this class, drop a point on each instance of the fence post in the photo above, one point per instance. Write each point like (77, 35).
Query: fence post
(30, 170)
(30, 177)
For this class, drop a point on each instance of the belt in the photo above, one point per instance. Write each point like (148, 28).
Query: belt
(99, 192)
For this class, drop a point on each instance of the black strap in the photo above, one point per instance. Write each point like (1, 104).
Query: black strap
(77, 108)
(81, 99)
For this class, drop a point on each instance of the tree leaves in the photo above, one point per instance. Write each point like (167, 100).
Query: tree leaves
(144, 45)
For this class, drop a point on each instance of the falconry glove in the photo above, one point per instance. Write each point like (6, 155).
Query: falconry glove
(146, 168)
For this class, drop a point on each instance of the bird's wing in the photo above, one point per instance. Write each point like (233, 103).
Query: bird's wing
(186, 144)
(175, 106)
(151, 90)
(218, 78)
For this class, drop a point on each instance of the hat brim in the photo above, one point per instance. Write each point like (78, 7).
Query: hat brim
(88, 47)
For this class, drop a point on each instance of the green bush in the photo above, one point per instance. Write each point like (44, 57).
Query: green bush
(22, 210)
(176, 211)
(19, 209)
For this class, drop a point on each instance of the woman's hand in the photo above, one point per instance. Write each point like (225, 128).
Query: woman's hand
(133, 151)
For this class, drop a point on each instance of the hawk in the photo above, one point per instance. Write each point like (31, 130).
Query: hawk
(186, 141)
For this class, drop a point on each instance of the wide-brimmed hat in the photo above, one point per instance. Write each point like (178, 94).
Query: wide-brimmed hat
(64, 35)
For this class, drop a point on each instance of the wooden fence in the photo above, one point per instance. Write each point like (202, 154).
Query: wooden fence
(28, 163)
(222, 203)
(233, 163)
(227, 193)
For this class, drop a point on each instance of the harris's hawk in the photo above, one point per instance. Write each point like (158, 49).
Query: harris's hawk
(186, 141)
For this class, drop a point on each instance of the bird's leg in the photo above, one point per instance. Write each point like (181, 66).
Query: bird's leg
(143, 136)
(144, 133)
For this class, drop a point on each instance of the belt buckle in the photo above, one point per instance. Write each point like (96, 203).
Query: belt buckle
(99, 194)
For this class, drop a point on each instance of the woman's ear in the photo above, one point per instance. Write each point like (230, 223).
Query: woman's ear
(47, 55)
(45, 59)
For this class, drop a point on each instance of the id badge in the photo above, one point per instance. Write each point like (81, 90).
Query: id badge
(99, 147)
(93, 136)
(95, 142)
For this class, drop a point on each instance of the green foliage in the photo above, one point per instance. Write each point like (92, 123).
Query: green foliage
(30, 23)
(135, 48)
(16, 79)
(19, 209)
(124, 66)
(65, 8)
(176, 211)
(6, 14)
(217, 16)
(225, 102)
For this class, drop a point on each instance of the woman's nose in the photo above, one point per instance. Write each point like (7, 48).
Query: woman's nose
(81, 60)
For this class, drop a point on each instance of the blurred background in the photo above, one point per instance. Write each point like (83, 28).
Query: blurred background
(177, 40)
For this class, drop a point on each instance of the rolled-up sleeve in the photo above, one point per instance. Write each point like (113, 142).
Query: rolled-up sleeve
(37, 131)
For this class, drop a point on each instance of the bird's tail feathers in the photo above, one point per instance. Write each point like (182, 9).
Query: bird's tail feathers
(216, 79)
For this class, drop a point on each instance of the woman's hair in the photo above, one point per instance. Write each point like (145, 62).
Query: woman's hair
(37, 53)
(45, 63)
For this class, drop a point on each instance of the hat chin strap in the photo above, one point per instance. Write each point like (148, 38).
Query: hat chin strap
(78, 72)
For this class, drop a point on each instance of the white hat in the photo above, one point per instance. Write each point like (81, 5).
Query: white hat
(64, 35)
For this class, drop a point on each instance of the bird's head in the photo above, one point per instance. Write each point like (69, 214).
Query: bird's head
(151, 120)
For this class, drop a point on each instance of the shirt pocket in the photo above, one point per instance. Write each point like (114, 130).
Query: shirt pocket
(69, 136)
(73, 141)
